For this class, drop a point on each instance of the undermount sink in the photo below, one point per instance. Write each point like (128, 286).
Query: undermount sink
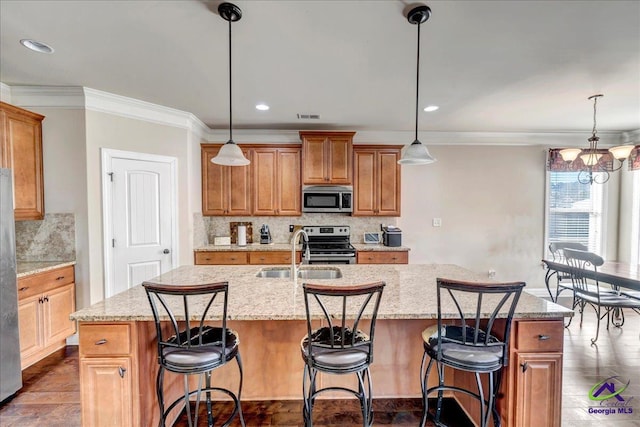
(304, 273)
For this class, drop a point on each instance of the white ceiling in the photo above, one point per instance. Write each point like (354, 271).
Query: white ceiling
(491, 66)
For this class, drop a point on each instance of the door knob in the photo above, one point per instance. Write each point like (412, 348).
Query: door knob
(166, 251)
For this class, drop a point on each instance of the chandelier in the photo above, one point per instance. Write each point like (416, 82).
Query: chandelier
(595, 164)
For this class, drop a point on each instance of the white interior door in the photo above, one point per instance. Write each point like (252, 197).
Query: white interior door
(142, 208)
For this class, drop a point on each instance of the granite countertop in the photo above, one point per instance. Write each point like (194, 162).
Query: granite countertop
(27, 268)
(369, 247)
(287, 247)
(410, 293)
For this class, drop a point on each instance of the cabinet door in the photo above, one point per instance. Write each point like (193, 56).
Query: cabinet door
(271, 257)
(388, 183)
(264, 166)
(221, 258)
(58, 305)
(225, 189)
(315, 160)
(5, 143)
(538, 389)
(288, 179)
(364, 194)
(31, 336)
(339, 160)
(22, 152)
(387, 257)
(107, 394)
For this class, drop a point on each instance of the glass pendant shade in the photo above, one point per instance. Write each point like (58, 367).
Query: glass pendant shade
(570, 154)
(416, 154)
(621, 152)
(590, 159)
(230, 155)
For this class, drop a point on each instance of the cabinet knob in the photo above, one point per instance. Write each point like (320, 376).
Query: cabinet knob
(46, 298)
(41, 300)
(121, 371)
(543, 337)
(59, 277)
(22, 289)
(101, 342)
(524, 366)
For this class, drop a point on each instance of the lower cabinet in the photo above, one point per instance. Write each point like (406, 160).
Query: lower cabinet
(536, 373)
(111, 406)
(244, 257)
(382, 257)
(45, 302)
(107, 385)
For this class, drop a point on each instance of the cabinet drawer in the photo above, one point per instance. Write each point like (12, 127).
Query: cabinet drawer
(42, 282)
(539, 335)
(105, 339)
(271, 257)
(391, 257)
(230, 257)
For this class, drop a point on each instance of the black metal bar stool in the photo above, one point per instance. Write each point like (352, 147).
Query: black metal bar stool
(191, 346)
(340, 346)
(467, 343)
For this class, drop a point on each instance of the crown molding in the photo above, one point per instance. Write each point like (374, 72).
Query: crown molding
(631, 137)
(65, 97)
(5, 93)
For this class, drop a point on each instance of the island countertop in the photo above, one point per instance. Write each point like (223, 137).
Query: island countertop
(410, 293)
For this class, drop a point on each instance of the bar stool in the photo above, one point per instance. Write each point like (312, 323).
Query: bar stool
(191, 347)
(340, 347)
(467, 343)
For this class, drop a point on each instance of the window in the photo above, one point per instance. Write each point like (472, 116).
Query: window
(575, 212)
(635, 220)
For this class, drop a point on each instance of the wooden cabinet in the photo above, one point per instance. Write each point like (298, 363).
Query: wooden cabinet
(225, 189)
(376, 180)
(276, 181)
(536, 371)
(107, 381)
(244, 257)
(221, 258)
(21, 151)
(45, 302)
(382, 257)
(327, 157)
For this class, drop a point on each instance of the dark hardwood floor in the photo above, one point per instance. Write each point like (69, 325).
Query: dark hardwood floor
(50, 396)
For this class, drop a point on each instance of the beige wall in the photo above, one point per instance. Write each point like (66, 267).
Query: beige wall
(115, 132)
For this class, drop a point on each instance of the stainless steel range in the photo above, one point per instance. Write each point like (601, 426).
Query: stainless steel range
(329, 245)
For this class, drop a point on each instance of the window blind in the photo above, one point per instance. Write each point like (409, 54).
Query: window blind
(575, 211)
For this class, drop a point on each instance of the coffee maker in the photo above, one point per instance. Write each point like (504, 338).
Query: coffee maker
(265, 234)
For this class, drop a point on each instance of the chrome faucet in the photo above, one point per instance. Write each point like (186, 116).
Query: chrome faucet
(307, 253)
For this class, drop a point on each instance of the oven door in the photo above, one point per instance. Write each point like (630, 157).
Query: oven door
(317, 201)
(331, 259)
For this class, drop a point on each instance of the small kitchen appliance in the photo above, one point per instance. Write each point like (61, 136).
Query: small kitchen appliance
(391, 236)
(265, 234)
(329, 244)
(327, 198)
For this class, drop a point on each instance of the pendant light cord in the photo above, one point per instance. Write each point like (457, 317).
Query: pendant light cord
(230, 85)
(417, 80)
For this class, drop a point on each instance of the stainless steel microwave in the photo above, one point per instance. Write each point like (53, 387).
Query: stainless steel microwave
(327, 198)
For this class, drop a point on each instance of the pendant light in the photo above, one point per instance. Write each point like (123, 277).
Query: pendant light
(416, 153)
(230, 153)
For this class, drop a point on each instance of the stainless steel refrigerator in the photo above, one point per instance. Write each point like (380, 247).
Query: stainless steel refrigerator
(10, 372)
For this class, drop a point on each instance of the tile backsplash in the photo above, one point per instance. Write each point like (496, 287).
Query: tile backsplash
(208, 227)
(51, 239)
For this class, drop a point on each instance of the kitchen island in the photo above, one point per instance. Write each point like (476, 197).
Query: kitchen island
(118, 352)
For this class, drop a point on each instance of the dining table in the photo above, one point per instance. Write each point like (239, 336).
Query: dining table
(622, 276)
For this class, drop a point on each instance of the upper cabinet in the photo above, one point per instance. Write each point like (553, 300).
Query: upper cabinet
(276, 181)
(376, 180)
(225, 189)
(270, 185)
(21, 151)
(326, 157)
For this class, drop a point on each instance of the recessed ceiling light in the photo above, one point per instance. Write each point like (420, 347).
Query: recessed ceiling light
(430, 108)
(36, 46)
(262, 107)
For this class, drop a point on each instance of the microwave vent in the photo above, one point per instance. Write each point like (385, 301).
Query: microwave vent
(308, 116)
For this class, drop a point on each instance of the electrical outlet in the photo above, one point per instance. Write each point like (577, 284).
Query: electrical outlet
(437, 222)
(491, 273)
(290, 228)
